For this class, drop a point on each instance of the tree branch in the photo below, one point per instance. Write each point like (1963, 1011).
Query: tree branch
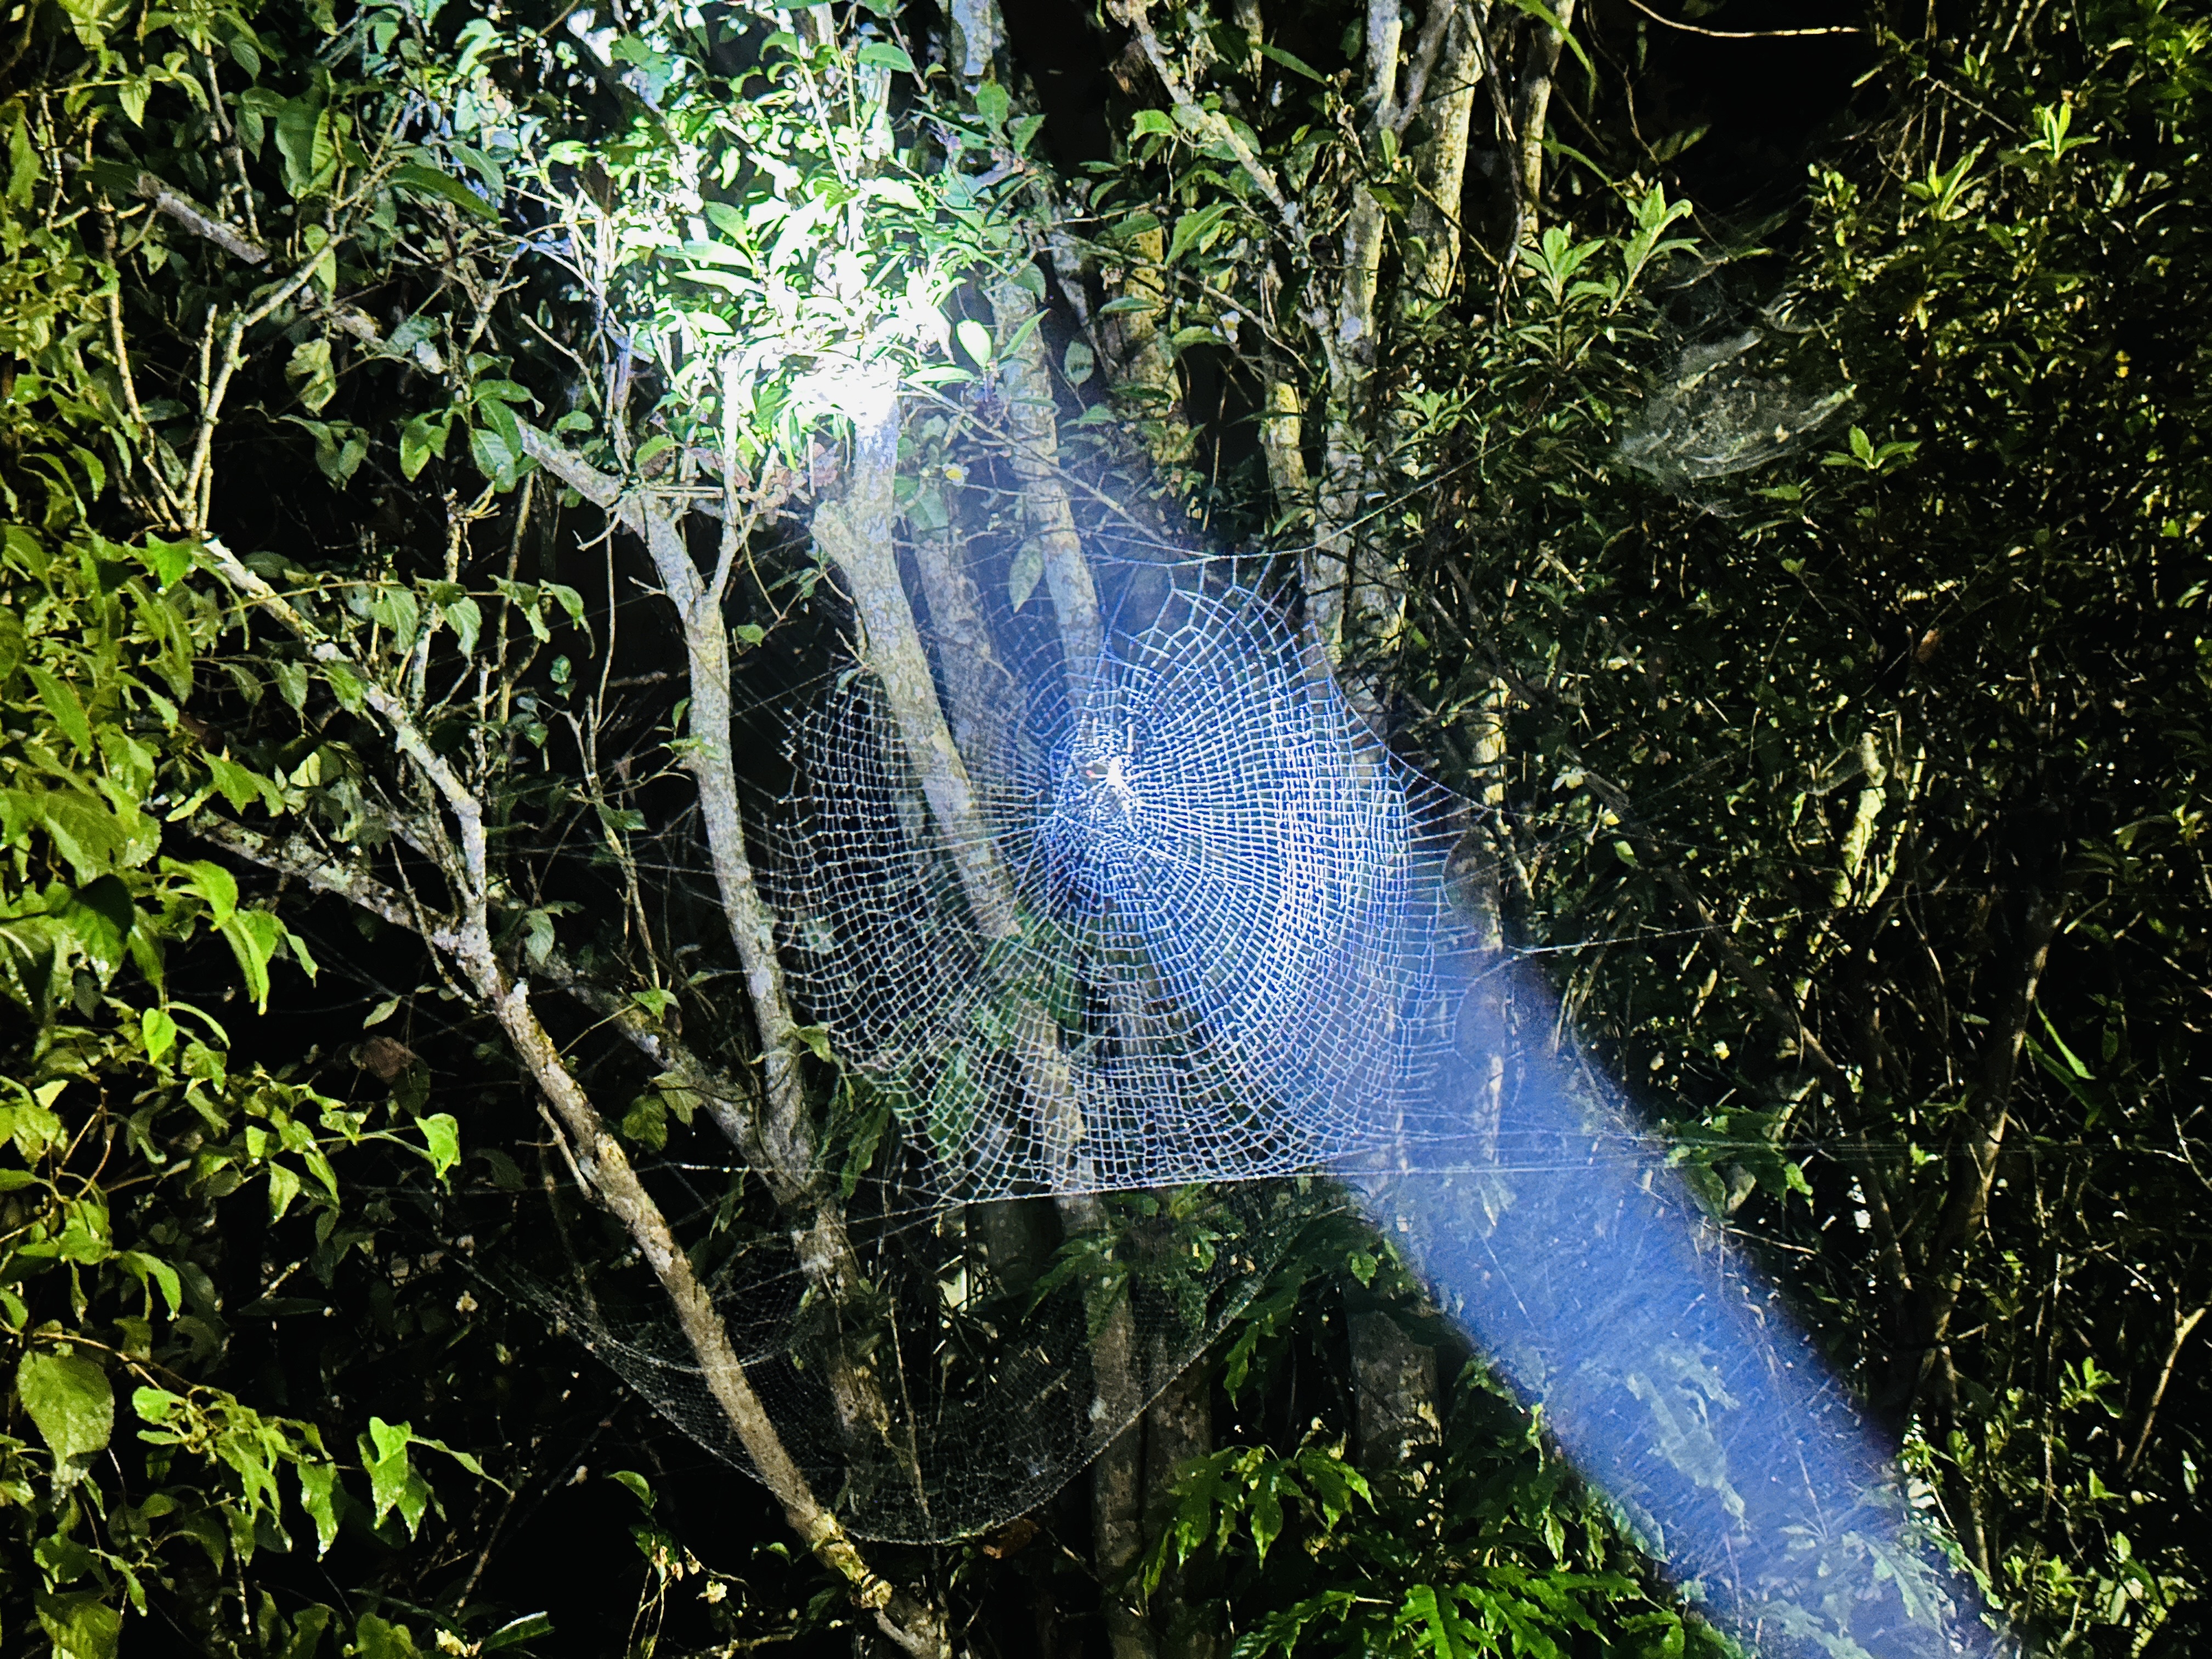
(293, 856)
(196, 219)
(1969, 1200)
(1742, 34)
(2182, 1327)
(173, 203)
(1215, 126)
(1536, 77)
(787, 1137)
(599, 1157)
(1033, 416)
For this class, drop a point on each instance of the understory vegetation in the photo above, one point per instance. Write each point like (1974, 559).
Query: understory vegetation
(446, 446)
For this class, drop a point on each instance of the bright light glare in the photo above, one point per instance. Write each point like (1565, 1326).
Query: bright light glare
(864, 393)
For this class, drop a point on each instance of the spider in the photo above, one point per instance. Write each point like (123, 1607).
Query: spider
(1108, 772)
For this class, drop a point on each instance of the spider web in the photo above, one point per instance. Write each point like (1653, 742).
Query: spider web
(1237, 931)
(1229, 911)
(1238, 952)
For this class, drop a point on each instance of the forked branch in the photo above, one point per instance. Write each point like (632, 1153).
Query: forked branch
(601, 1160)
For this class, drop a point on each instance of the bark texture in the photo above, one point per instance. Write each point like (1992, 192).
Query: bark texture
(1442, 126)
(1398, 1426)
(1532, 106)
(1033, 423)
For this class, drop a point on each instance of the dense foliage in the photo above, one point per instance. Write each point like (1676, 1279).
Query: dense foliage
(1810, 604)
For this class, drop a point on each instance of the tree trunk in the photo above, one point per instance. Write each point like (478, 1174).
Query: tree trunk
(1033, 422)
(781, 1141)
(1345, 600)
(977, 687)
(1282, 421)
(1398, 1426)
(598, 1158)
(1481, 888)
(1144, 377)
(855, 533)
(1533, 106)
(1433, 240)
(1117, 1489)
(1179, 1427)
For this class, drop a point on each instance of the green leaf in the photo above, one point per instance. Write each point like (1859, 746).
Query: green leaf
(1023, 574)
(646, 1122)
(384, 1456)
(98, 920)
(306, 140)
(240, 787)
(168, 561)
(567, 597)
(152, 1269)
(992, 103)
(493, 456)
(291, 676)
(378, 1638)
(61, 700)
(444, 187)
(2072, 1061)
(1297, 65)
(1196, 230)
(84, 829)
(309, 370)
(1266, 1519)
(495, 414)
(213, 884)
(880, 54)
(466, 620)
(154, 1405)
(158, 1029)
(345, 685)
(1079, 361)
(528, 1627)
(422, 438)
(283, 1187)
(72, 1405)
(974, 340)
(79, 1623)
(254, 936)
(319, 1488)
(23, 164)
(634, 1483)
(95, 20)
(441, 1137)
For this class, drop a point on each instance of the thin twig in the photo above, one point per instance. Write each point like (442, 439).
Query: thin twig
(2182, 1327)
(1744, 34)
(1210, 122)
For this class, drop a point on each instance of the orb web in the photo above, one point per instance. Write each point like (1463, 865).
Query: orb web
(1232, 953)
(1234, 931)
(1228, 910)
